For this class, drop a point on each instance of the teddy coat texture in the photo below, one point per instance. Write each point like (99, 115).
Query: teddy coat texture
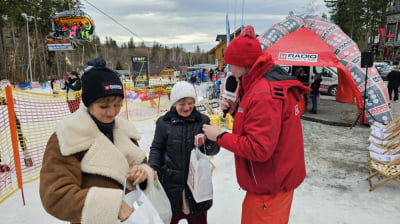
(83, 172)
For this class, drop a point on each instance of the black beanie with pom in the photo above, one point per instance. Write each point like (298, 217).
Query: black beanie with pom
(100, 82)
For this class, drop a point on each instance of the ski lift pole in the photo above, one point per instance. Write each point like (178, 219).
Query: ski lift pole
(159, 100)
(126, 103)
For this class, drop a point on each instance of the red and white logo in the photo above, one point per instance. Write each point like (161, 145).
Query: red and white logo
(110, 87)
(297, 57)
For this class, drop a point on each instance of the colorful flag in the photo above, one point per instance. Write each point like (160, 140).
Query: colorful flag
(382, 34)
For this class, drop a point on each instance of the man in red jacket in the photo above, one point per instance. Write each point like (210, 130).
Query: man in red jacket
(267, 136)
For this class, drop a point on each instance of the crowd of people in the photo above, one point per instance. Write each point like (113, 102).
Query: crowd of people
(74, 30)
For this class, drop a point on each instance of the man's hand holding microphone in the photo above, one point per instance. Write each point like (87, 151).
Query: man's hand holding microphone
(228, 105)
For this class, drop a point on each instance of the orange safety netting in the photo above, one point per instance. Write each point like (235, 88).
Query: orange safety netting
(27, 119)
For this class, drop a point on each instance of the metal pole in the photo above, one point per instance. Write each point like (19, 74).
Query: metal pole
(83, 52)
(95, 45)
(29, 49)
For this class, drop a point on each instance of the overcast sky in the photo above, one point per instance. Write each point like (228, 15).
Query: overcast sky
(188, 23)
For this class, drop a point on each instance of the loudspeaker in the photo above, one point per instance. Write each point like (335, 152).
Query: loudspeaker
(367, 59)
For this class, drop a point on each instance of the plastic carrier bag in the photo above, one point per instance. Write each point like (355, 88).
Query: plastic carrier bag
(144, 211)
(160, 201)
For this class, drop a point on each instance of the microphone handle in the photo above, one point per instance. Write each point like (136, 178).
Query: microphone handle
(225, 112)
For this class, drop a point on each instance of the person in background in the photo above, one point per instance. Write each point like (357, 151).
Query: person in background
(90, 155)
(211, 74)
(86, 31)
(315, 92)
(393, 84)
(79, 32)
(217, 88)
(266, 138)
(303, 78)
(65, 29)
(72, 85)
(58, 31)
(177, 133)
(53, 80)
(74, 28)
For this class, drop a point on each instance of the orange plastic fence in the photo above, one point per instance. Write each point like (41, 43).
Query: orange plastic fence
(27, 119)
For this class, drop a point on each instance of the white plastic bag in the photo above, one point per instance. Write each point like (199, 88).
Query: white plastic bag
(144, 211)
(199, 178)
(160, 201)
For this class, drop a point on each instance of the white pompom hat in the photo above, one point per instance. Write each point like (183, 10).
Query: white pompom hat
(182, 90)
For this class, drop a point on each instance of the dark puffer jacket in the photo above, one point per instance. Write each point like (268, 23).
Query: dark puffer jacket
(170, 156)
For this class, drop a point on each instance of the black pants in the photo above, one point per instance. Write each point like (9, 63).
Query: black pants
(396, 92)
(306, 98)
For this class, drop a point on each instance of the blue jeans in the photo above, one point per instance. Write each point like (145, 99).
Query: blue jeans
(314, 102)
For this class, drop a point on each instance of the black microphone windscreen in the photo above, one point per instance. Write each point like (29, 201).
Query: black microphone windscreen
(231, 84)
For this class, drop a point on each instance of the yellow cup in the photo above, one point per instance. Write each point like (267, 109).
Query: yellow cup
(216, 120)
(228, 121)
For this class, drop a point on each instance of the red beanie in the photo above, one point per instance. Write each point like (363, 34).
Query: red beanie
(244, 50)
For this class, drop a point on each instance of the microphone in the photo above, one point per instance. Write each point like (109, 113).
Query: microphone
(230, 90)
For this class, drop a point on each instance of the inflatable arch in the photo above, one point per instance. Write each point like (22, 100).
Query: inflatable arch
(351, 75)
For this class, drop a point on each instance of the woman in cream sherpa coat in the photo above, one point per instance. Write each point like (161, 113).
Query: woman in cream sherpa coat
(89, 156)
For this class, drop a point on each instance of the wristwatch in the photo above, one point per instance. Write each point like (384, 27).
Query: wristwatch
(220, 135)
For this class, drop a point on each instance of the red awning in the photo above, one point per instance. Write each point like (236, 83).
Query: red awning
(305, 48)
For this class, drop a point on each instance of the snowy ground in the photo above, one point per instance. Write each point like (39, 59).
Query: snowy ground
(334, 191)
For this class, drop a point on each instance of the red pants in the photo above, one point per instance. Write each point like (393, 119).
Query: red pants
(267, 209)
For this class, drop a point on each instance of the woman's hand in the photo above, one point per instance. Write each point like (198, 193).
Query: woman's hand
(124, 211)
(199, 139)
(211, 131)
(155, 175)
(137, 175)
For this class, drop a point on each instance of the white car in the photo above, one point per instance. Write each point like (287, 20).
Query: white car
(328, 74)
(329, 79)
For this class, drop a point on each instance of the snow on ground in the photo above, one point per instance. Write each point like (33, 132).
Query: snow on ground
(334, 191)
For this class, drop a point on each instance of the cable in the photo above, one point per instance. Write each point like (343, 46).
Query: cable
(126, 28)
(242, 13)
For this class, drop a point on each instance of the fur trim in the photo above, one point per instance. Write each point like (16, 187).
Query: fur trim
(150, 178)
(78, 132)
(101, 206)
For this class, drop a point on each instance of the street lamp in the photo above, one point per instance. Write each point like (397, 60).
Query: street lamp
(29, 49)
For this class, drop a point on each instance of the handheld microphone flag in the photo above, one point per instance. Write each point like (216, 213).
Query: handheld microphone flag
(230, 90)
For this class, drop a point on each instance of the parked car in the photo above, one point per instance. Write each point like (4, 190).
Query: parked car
(385, 72)
(328, 74)
(383, 68)
(380, 65)
(329, 79)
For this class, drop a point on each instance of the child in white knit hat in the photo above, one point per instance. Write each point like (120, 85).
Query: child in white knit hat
(177, 133)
